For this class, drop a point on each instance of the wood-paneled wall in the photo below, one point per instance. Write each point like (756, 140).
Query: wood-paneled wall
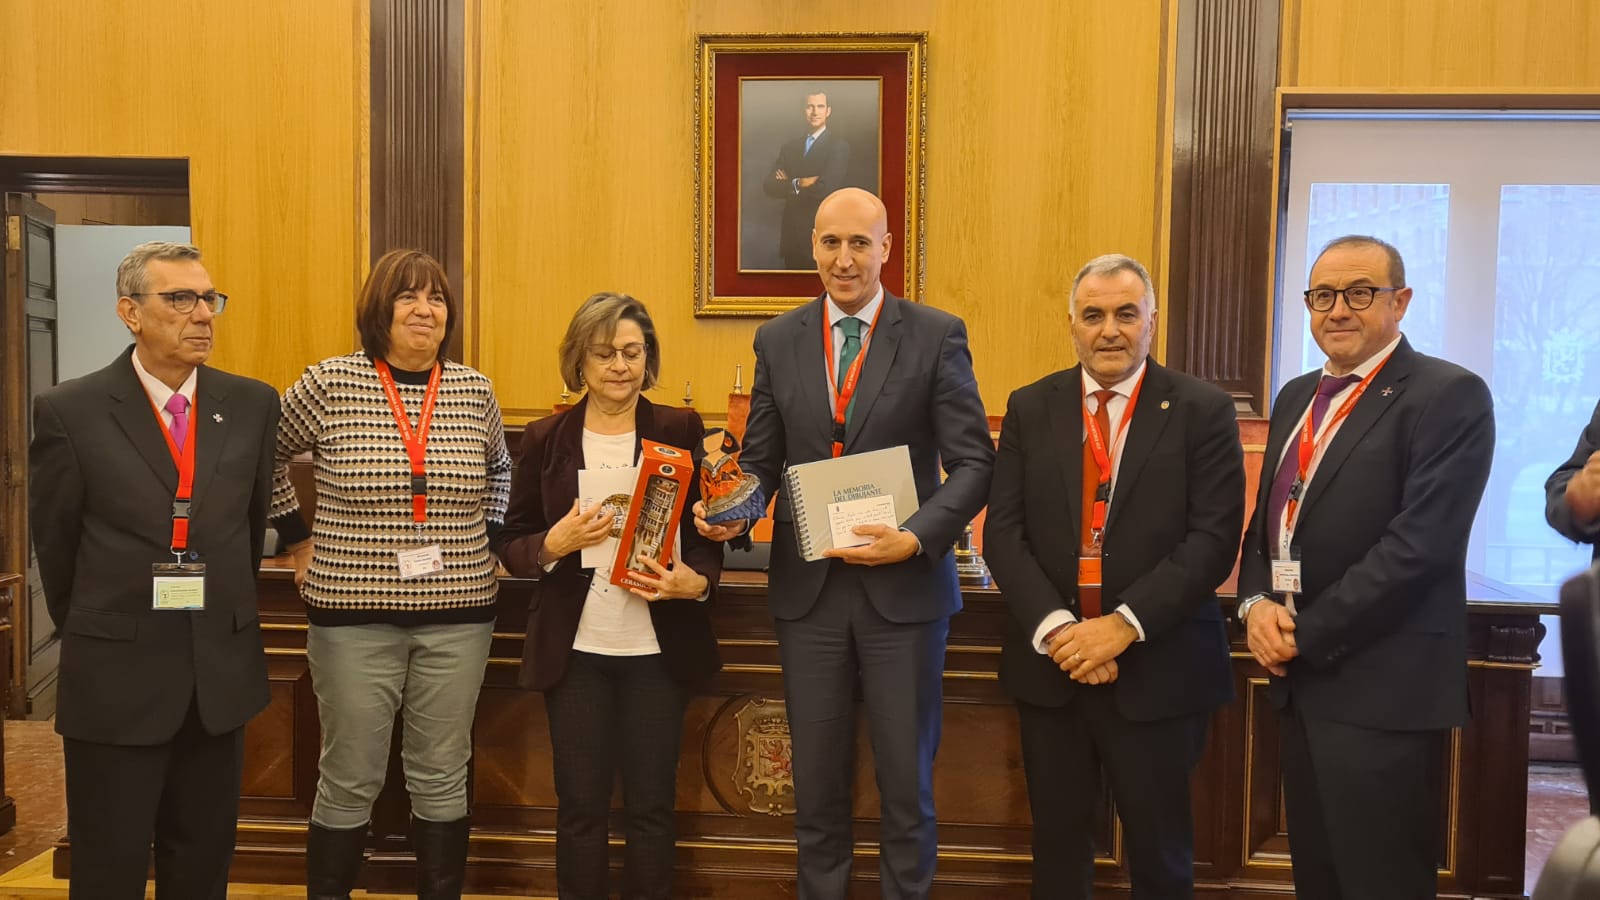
(1046, 141)
(1441, 44)
(267, 100)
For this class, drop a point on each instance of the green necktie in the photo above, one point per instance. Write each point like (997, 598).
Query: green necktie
(851, 326)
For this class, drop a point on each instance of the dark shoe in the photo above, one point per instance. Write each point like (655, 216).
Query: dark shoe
(441, 858)
(333, 860)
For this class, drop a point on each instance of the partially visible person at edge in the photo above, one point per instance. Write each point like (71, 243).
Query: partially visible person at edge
(617, 666)
(412, 475)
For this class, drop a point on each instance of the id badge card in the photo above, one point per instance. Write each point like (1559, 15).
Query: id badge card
(1089, 571)
(1286, 576)
(178, 586)
(419, 562)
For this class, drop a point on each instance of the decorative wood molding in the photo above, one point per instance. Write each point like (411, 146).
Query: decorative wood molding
(98, 175)
(418, 133)
(1223, 198)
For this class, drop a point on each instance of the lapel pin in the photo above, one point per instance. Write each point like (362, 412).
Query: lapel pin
(216, 417)
(1166, 403)
(1387, 391)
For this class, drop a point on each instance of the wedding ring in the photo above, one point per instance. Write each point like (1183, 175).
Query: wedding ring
(1077, 658)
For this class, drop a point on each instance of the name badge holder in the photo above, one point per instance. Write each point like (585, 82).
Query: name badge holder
(1286, 576)
(424, 559)
(179, 585)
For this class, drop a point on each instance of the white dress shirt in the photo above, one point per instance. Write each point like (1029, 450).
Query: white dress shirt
(866, 314)
(1116, 411)
(160, 393)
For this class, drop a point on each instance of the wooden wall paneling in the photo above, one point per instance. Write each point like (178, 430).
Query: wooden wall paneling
(1455, 44)
(1046, 132)
(1223, 199)
(267, 102)
(419, 133)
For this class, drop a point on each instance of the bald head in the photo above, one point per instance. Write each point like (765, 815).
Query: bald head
(851, 243)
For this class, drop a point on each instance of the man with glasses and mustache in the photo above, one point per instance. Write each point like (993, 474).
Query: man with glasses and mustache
(149, 483)
(1353, 579)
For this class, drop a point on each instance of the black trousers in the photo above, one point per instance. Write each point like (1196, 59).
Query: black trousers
(1363, 808)
(1065, 753)
(611, 713)
(181, 796)
(901, 669)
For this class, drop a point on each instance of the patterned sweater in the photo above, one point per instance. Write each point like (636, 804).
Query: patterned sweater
(338, 411)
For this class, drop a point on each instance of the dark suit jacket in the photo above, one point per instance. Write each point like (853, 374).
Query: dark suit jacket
(1169, 541)
(1555, 489)
(1381, 626)
(101, 485)
(543, 486)
(829, 160)
(916, 388)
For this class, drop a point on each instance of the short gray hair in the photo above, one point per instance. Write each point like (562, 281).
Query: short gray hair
(1111, 264)
(131, 276)
(1397, 266)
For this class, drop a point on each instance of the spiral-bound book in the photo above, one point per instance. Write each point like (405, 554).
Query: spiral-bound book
(815, 488)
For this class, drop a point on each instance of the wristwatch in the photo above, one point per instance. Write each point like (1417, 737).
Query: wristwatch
(1242, 611)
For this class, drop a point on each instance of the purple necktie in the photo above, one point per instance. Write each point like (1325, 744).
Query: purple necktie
(1290, 467)
(179, 407)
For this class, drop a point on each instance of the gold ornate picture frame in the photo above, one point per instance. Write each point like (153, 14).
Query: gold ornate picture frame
(781, 120)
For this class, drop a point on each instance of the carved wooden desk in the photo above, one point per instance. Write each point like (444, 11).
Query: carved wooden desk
(736, 841)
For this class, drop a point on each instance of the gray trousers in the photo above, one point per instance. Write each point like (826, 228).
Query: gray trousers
(363, 675)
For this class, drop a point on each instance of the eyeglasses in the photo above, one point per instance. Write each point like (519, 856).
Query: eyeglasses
(184, 301)
(1357, 298)
(605, 353)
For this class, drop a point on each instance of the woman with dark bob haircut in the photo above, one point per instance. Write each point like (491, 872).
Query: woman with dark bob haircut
(617, 667)
(412, 475)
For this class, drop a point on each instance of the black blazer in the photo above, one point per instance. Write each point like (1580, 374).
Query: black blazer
(543, 486)
(828, 162)
(1169, 541)
(1556, 511)
(916, 388)
(1381, 627)
(101, 485)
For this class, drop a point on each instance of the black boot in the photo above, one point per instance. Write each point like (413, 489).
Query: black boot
(441, 858)
(333, 860)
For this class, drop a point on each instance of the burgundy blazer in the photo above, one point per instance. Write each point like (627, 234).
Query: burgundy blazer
(543, 486)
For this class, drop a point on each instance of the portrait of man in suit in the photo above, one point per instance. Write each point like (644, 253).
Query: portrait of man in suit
(149, 482)
(799, 142)
(859, 369)
(1118, 497)
(1374, 468)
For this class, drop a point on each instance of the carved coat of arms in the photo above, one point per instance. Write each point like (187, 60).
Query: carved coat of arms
(765, 770)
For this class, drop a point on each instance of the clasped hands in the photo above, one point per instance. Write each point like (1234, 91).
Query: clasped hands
(889, 545)
(1087, 651)
(581, 528)
(1269, 632)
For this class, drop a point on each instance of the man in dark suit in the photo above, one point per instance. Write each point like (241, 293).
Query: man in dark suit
(1117, 673)
(160, 667)
(881, 610)
(1353, 579)
(809, 168)
(1572, 492)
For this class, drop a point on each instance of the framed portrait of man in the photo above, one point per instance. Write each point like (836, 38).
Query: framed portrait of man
(783, 121)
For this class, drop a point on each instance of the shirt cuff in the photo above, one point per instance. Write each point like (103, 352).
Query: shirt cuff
(1051, 622)
(915, 538)
(1133, 620)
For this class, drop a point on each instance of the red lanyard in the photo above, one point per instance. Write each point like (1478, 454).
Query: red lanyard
(1311, 443)
(1102, 452)
(185, 463)
(842, 398)
(416, 440)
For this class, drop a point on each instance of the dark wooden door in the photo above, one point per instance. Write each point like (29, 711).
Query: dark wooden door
(29, 366)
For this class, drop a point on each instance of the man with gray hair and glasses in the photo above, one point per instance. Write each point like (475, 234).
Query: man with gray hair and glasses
(1353, 579)
(149, 483)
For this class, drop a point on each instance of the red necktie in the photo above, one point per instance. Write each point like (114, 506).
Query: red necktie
(1089, 600)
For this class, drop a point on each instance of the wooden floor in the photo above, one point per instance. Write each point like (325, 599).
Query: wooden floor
(1556, 799)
